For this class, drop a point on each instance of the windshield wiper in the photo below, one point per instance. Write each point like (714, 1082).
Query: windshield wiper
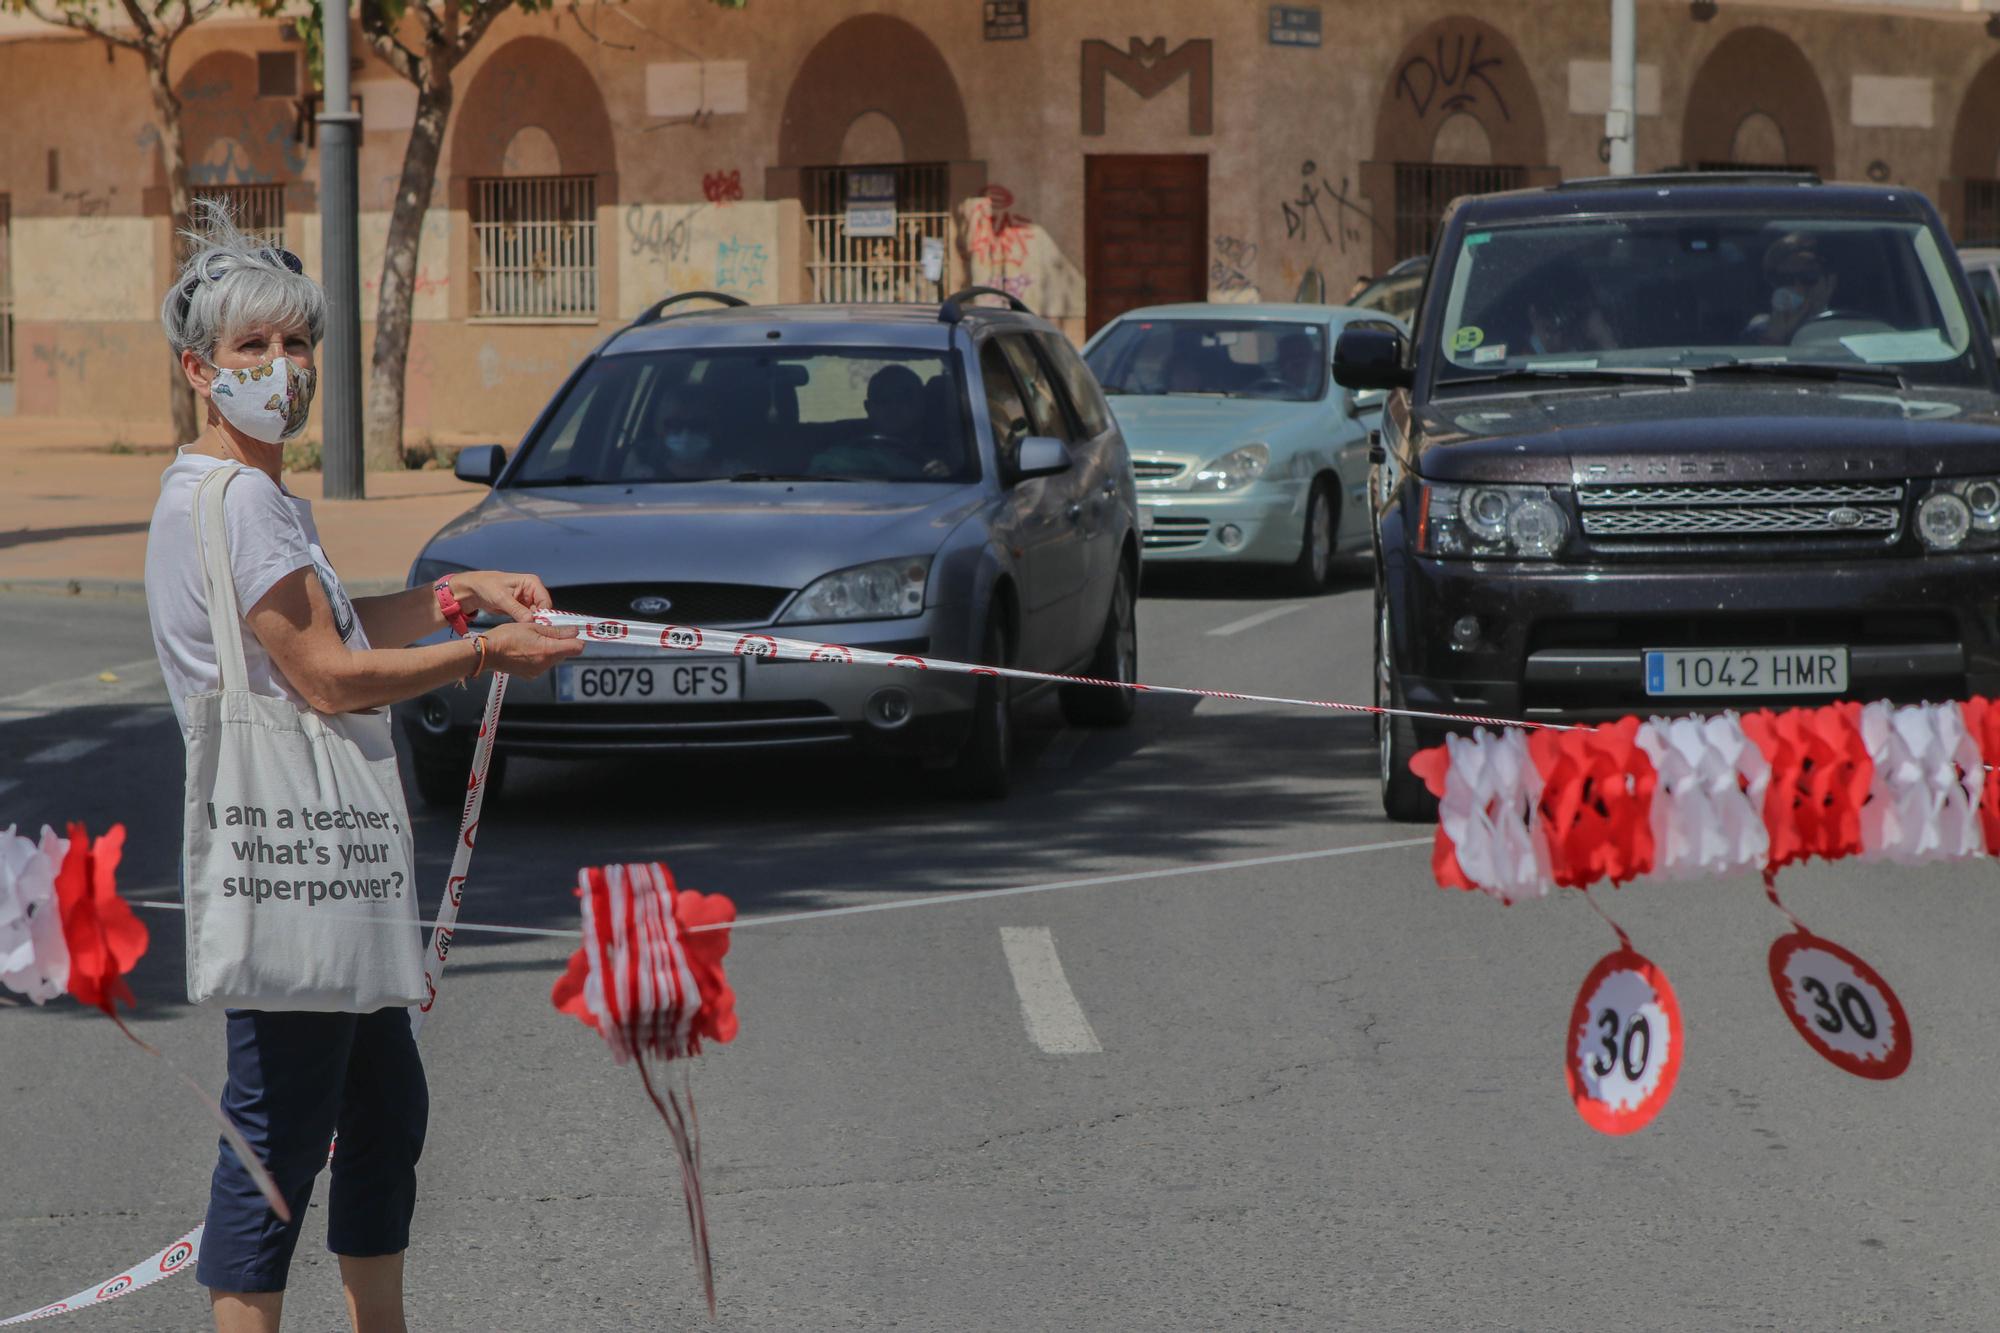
(787, 476)
(1805, 370)
(1603, 374)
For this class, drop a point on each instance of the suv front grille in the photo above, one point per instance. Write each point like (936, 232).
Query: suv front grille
(1785, 509)
(710, 605)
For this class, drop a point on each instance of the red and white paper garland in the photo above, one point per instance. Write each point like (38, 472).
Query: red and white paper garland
(1521, 813)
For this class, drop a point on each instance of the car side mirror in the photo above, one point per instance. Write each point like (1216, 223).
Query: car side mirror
(1041, 456)
(1370, 359)
(479, 463)
(1363, 401)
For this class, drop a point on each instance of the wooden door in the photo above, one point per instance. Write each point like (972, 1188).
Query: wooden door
(1145, 232)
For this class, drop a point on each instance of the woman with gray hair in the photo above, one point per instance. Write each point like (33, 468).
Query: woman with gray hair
(245, 320)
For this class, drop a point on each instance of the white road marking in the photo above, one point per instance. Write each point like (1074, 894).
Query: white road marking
(138, 683)
(1055, 1020)
(1063, 748)
(1263, 617)
(151, 717)
(76, 747)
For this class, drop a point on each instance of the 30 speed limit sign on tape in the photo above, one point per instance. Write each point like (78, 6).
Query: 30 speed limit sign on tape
(1625, 1042)
(1840, 1005)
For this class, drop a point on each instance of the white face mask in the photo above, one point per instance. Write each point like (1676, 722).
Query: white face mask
(267, 402)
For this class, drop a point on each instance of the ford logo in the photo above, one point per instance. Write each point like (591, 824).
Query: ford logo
(1844, 517)
(652, 606)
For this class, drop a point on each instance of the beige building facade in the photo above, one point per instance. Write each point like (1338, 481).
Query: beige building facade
(1085, 156)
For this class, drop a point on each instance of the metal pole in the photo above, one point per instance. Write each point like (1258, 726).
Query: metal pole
(340, 266)
(1622, 119)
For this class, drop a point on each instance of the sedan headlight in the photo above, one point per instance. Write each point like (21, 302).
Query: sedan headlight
(426, 572)
(1492, 522)
(1234, 470)
(1960, 515)
(885, 590)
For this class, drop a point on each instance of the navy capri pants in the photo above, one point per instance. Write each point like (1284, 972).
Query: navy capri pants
(294, 1079)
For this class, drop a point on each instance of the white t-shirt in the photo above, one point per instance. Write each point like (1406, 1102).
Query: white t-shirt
(271, 533)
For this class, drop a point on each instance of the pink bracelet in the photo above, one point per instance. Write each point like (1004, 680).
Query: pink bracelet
(454, 614)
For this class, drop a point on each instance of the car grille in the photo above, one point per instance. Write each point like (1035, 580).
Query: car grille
(710, 605)
(568, 728)
(1817, 509)
(1172, 532)
(1147, 470)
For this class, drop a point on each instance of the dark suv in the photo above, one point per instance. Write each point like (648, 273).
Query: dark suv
(1673, 443)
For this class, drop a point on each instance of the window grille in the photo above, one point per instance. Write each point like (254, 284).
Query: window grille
(1981, 224)
(259, 210)
(535, 238)
(877, 268)
(1424, 190)
(6, 289)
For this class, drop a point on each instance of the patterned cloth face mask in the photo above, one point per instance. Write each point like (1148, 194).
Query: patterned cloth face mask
(267, 402)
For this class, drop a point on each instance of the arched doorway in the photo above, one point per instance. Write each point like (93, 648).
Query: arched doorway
(1458, 115)
(1756, 105)
(1970, 197)
(532, 161)
(242, 149)
(873, 142)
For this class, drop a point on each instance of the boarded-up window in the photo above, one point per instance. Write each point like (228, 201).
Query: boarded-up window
(535, 238)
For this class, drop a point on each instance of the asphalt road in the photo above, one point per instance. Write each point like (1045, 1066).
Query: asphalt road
(1305, 1093)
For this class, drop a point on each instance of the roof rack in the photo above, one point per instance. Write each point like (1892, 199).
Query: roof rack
(1745, 177)
(949, 312)
(657, 311)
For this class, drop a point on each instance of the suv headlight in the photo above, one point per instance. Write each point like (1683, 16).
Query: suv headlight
(1478, 521)
(885, 590)
(1960, 515)
(1234, 470)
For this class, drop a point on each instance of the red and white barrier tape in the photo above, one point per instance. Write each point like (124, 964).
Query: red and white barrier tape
(687, 638)
(181, 1255)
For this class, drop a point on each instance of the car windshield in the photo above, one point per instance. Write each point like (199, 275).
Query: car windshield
(1688, 292)
(757, 414)
(1232, 358)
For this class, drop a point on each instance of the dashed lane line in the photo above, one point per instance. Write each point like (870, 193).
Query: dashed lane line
(151, 717)
(1263, 617)
(76, 747)
(1048, 1006)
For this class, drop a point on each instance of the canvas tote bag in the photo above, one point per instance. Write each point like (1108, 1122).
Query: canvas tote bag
(297, 849)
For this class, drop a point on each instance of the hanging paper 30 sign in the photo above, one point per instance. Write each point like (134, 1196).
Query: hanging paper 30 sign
(1624, 1052)
(1840, 1005)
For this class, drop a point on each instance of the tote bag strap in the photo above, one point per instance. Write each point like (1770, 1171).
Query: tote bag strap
(225, 617)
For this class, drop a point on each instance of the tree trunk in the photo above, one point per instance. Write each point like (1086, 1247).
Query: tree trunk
(173, 157)
(383, 430)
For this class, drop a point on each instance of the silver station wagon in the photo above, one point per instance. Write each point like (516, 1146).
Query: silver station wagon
(936, 480)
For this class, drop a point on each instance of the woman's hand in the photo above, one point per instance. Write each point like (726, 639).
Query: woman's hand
(529, 650)
(516, 596)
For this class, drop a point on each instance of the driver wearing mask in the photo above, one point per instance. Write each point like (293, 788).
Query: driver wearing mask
(1802, 289)
(682, 445)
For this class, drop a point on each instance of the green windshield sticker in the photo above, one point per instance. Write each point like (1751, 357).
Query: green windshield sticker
(1467, 338)
(1478, 238)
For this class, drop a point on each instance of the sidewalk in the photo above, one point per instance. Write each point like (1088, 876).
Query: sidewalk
(73, 509)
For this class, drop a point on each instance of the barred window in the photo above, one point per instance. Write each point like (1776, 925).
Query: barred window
(1425, 190)
(536, 242)
(259, 209)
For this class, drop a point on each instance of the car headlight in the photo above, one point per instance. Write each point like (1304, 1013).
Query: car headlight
(1492, 522)
(885, 590)
(1234, 470)
(1962, 514)
(426, 572)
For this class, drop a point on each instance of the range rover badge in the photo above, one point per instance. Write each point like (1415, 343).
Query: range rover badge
(1844, 517)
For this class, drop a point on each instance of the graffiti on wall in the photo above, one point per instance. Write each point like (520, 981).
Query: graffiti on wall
(740, 265)
(722, 187)
(699, 247)
(1235, 261)
(1324, 213)
(1452, 76)
(1003, 247)
(998, 234)
(1149, 69)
